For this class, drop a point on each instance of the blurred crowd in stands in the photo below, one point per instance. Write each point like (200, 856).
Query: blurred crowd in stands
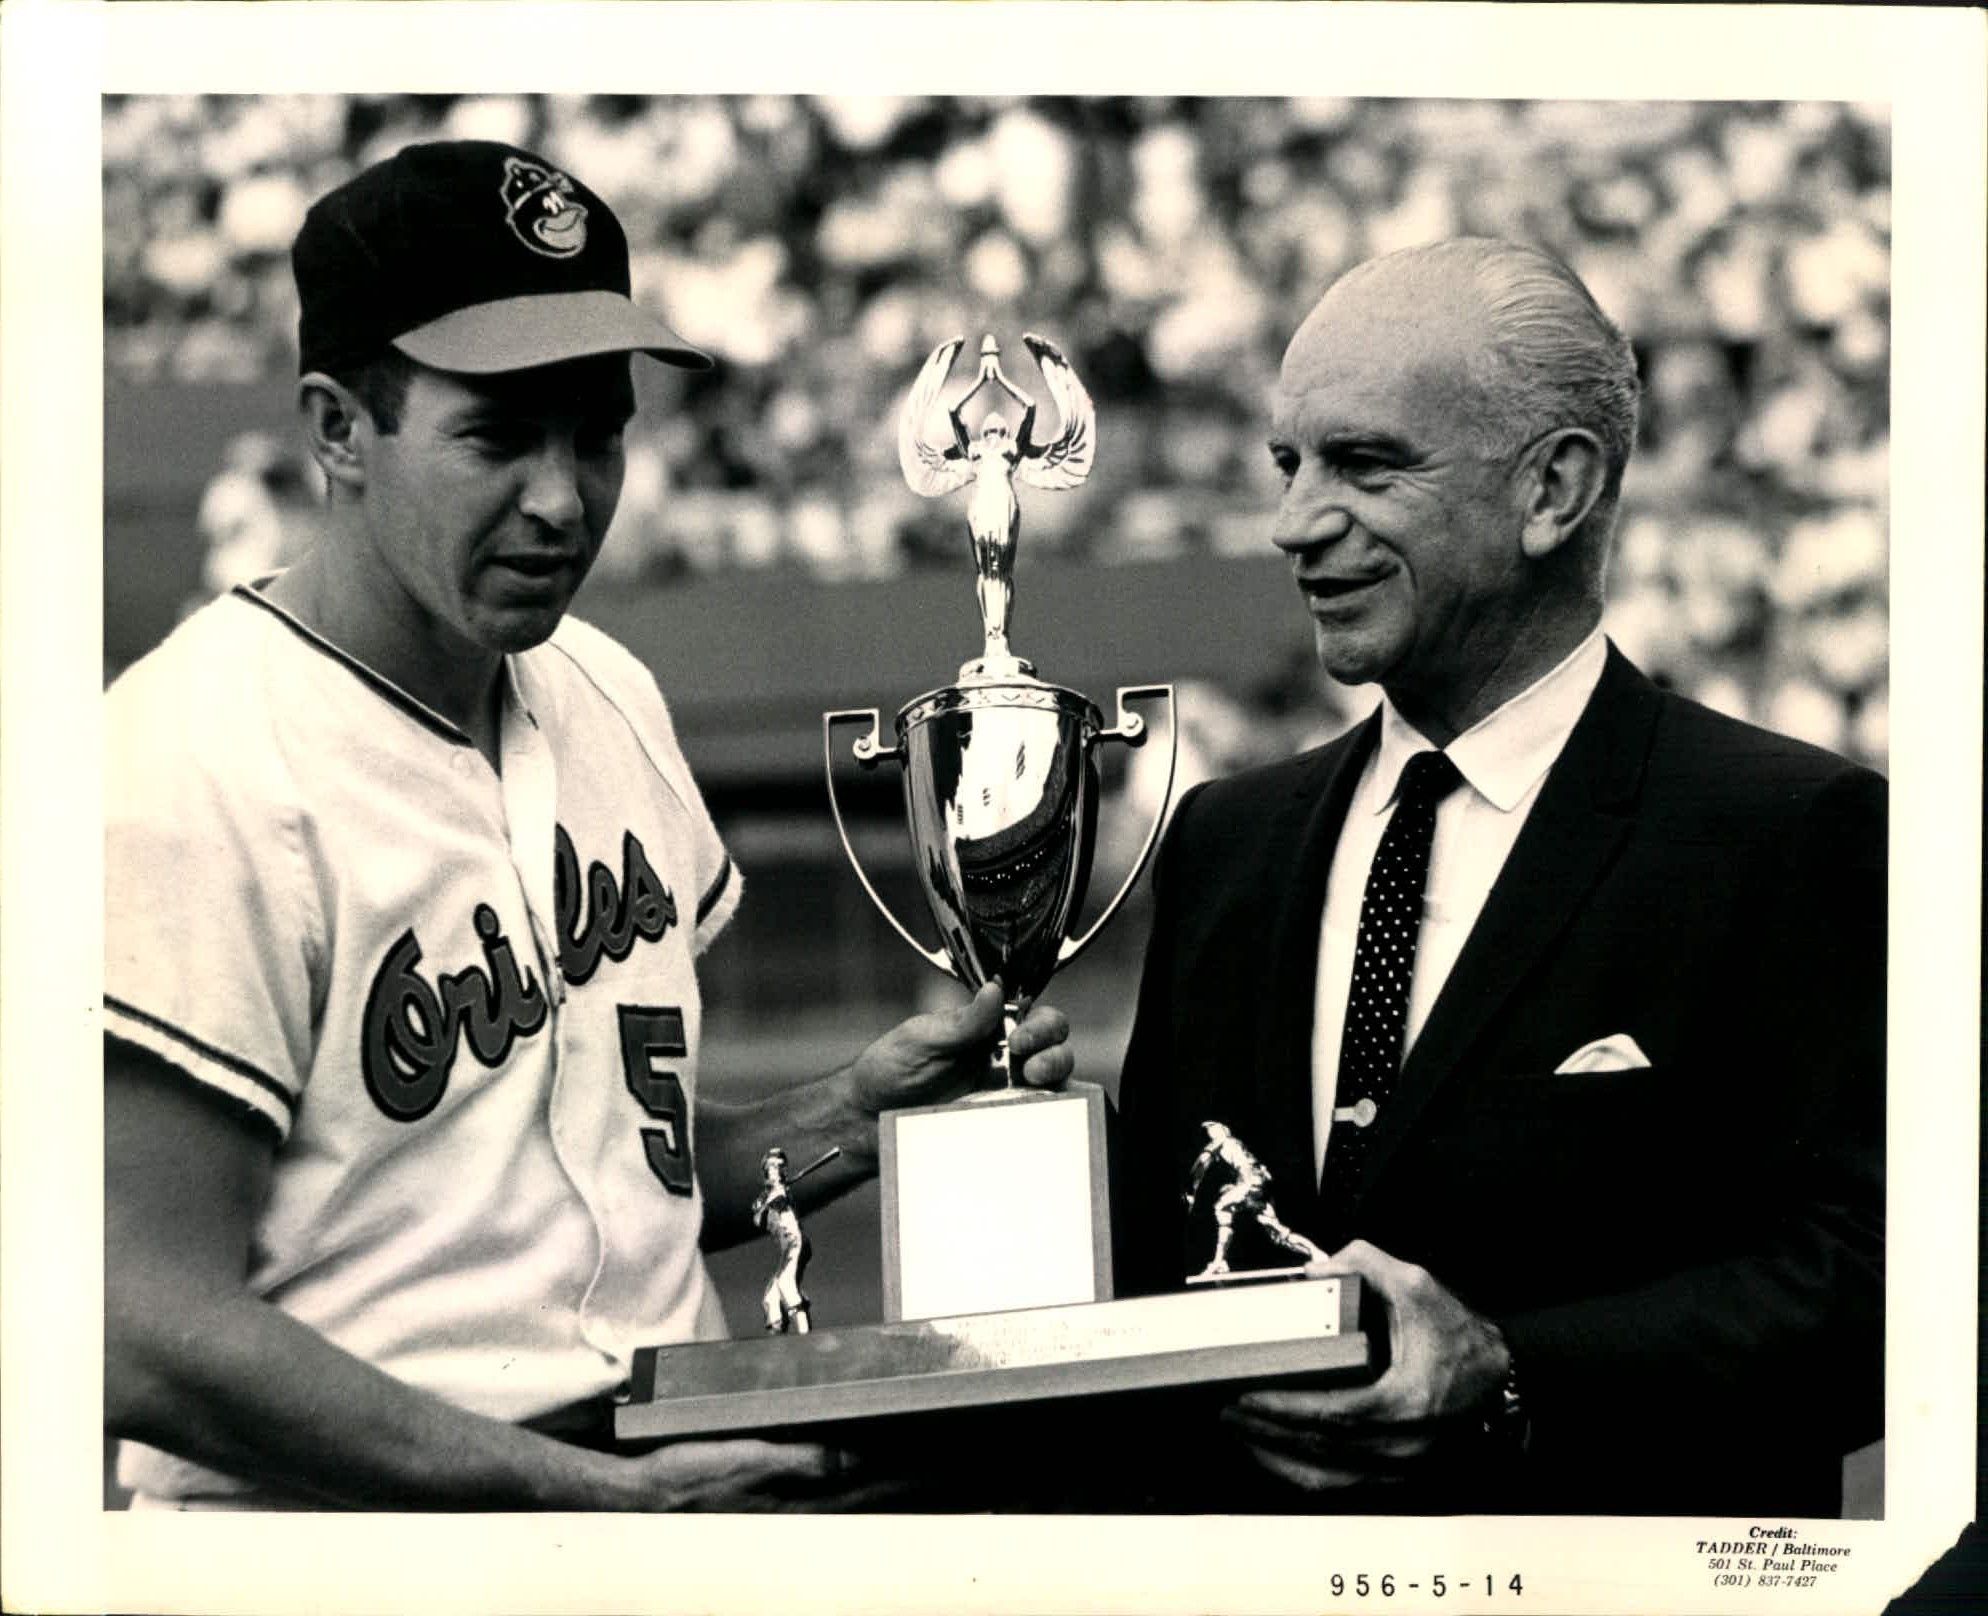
(822, 246)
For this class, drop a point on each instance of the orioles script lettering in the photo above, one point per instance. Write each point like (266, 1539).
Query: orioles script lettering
(413, 1028)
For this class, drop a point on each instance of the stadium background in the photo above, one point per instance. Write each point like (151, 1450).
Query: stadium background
(768, 562)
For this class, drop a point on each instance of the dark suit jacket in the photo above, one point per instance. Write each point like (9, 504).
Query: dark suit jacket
(1686, 1260)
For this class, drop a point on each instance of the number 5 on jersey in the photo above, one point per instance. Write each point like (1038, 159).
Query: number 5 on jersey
(650, 1035)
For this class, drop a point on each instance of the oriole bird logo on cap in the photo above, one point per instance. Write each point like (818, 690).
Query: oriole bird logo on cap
(542, 210)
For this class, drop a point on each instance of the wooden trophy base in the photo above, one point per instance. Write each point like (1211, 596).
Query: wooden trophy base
(1307, 1328)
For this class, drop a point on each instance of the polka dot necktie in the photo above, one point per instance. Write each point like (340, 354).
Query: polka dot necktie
(1371, 1037)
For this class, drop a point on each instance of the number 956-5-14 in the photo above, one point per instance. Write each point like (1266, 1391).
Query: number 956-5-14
(1387, 1585)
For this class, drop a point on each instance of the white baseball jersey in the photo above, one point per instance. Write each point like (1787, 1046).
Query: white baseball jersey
(462, 1000)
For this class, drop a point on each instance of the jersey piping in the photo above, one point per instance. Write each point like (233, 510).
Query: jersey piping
(715, 891)
(197, 1046)
(419, 711)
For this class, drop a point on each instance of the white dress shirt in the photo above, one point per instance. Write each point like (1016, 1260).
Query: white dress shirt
(1503, 758)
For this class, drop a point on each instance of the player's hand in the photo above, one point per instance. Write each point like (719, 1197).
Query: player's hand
(750, 1476)
(1446, 1369)
(942, 1054)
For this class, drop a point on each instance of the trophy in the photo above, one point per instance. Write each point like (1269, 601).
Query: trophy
(996, 1238)
(1000, 778)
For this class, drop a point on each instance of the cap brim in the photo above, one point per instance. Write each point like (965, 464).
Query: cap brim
(522, 333)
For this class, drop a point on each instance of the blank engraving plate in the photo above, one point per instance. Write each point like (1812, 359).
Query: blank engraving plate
(996, 1205)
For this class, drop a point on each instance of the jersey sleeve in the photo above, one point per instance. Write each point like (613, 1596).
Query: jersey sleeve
(630, 685)
(206, 917)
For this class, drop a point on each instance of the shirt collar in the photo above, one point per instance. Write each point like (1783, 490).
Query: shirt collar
(1503, 755)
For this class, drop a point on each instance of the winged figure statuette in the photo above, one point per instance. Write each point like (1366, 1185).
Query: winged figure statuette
(994, 459)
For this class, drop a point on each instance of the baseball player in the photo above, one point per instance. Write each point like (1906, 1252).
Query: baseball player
(406, 879)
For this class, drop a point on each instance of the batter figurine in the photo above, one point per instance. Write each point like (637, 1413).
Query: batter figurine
(1248, 1191)
(406, 879)
(784, 1302)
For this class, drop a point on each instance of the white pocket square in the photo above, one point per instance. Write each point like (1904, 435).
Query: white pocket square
(1617, 1054)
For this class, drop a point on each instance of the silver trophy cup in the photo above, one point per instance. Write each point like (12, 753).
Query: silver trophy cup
(1001, 803)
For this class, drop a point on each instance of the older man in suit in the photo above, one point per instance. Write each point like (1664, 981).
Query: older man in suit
(1553, 1002)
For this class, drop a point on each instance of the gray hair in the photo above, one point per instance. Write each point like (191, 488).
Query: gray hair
(1554, 359)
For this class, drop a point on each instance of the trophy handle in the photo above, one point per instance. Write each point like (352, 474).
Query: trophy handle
(869, 753)
(1131, 729)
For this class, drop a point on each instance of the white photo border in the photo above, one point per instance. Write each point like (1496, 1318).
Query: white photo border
(65, 1552)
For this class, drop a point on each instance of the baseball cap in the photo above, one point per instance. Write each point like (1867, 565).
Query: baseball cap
(469, 256)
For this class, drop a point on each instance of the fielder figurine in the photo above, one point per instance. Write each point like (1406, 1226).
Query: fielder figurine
(1248, 1192)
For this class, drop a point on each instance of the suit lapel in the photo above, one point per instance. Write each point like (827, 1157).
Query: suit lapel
(1298, 859)
(1573, 832)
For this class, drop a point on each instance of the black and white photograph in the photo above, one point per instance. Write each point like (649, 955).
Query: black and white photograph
(1180, 837)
